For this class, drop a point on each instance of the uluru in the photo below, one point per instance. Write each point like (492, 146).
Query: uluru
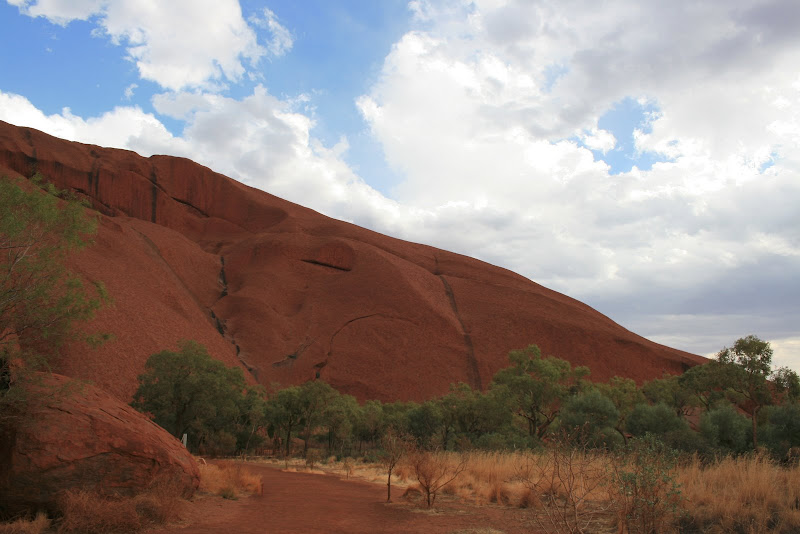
(292, 295)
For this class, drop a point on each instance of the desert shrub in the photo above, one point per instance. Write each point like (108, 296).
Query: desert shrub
(509, 438)
(86, 512)
(645, 490)
(783, 431)
(434, 471)
(38, 525)
(395, 446)
(726, 429)
(657, 419)
(313, 457)
(590, 418)
(569, 478)
(229, 479)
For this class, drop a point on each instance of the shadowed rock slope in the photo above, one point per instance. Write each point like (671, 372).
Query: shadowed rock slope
(292, 295)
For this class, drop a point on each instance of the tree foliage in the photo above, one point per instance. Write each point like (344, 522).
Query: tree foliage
(538, 386)
(189, 392)
(746, 370)
(40, 299)
(546, 396)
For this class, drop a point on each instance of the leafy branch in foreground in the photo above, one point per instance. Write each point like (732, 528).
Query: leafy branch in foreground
(40, 299)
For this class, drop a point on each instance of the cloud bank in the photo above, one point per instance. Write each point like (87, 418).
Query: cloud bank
(491, 113)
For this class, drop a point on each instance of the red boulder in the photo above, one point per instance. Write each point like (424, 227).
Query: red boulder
(76, 436)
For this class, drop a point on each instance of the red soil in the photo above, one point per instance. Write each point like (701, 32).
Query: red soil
(187, 253)
(305, 503)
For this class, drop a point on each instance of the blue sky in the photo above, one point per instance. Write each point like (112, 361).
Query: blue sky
(582, 146)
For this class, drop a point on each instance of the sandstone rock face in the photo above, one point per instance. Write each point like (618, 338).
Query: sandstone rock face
(79, 437)
(292, 295)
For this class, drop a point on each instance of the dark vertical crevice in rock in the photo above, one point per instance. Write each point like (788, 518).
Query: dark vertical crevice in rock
(94, 176)
(153, 193)
(222, 278)
(32, 160)
(473, 373)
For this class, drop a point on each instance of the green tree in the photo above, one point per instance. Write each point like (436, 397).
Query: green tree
(670, 391)
(747, 368)
(40, 299)
(703, 384)
(429, 425)
(252, 418)
(314, 397)
(285, 413)
(592, 415)
(190, 392)
(371, 421)
(339, 418)
(725, 428)
(625, 395)
(537, 386)
(657, 419)
(475, 414)
(783, 430)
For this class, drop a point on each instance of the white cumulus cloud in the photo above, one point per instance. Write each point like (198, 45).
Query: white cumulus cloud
(177, 44)
(489, 111)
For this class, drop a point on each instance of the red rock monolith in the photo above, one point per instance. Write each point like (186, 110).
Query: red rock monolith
(292, 295)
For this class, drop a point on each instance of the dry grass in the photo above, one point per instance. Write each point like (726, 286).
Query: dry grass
(39, 525)
(87, 512)
(747, 494)
(229, 479)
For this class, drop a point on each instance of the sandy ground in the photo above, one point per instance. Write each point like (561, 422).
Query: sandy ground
(307, 502)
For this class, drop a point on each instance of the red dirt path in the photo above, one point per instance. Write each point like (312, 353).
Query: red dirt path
(314, 503)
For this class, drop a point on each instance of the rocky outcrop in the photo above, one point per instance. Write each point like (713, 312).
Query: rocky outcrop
(291, 295)
(76, 436)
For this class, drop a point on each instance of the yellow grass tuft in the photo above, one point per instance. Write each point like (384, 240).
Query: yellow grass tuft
(39, 525)
(85, 512)
(229, 479)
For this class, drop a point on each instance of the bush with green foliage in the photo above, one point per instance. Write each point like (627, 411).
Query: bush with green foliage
(190, 392)
(726, 430)
(782, 432)
(656, 419)
(594, 415)
(537, 387)
(40, 299)
(648, 496)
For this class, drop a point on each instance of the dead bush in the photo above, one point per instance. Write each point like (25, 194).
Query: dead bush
(313, 457)
(568, 479)
(434, 471)
(395, 447)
